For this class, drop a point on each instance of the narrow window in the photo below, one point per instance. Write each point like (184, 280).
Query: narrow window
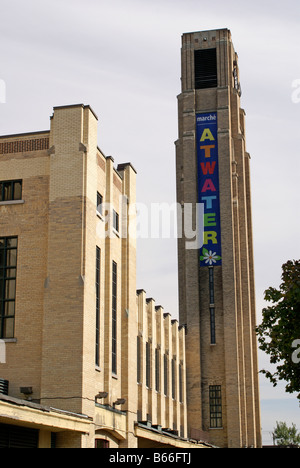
(8, 276)
(173, 379)
(212, 306)
(114, 317)
(98, 261)
(10, 190)
(206, 69)
(53, 440)
(213, 340)
(148, 365)
(166, 378)
(211, 285)
(215, 402)
(157, 370)
(180, 384)
(138, 347)
(115, 221)
(99, 204)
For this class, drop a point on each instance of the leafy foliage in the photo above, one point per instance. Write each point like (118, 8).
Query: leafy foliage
(286, 436)
(280, 328)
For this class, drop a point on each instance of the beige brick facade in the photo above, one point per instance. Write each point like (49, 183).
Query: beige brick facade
(52, 349)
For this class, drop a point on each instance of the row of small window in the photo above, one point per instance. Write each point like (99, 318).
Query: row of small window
(116, 224)
(157, 371)
(10, 190)
(8, 275)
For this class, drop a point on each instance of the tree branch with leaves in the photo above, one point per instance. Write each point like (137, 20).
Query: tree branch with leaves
(280, 328)
(285, 436)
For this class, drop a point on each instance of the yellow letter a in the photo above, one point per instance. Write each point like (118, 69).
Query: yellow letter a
(207, 135)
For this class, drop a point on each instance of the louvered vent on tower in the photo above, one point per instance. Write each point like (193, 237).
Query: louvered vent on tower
(206, 75)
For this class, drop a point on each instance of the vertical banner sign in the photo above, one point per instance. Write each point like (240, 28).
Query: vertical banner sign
(208, 187)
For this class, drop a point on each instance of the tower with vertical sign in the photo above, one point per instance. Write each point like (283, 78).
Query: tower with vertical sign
(216, 282)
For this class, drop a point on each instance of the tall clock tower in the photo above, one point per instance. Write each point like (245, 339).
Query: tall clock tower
(216, 283)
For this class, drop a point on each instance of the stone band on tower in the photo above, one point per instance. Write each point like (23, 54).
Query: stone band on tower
(216, 284)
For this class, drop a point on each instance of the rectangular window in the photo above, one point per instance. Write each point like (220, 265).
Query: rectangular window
(11, 190)
(211, 285)
(99, 203)
(213, 340)
(166, 376)
(215, 403)
(206, 69)
(180, 384)
(53, 440)
(101, 444)
(115, 221)
(157, 370)
(212, 311)
(148, 365)
(8, 276)
(173, 379)
(114, 317)
(98, 264)
(138, 360)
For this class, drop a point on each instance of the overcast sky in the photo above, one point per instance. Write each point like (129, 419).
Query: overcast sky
(122, 57)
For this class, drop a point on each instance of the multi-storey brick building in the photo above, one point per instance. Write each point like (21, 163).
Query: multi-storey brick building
(88, 359)
(216, 285)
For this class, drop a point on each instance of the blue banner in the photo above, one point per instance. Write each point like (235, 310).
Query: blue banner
(208, 187)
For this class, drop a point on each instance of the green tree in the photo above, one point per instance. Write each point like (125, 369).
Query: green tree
(279, 333)
(286, 436)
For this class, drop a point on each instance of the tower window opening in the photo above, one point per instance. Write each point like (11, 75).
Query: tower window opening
(206, 75)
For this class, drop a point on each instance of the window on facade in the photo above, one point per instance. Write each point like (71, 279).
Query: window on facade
(8, 275)
(148, 365)
(215, 403)
(211, 285)
(206, 69)
(98, 263)
(114, 317)
(115, 221)
(138, 350)
(10, 190)
(53, 440)
(180, 384)
(213, 340)
(166, 376)
(157, 370)
(173, 379)
(212, 306)
(99, 203)
(101, 444)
